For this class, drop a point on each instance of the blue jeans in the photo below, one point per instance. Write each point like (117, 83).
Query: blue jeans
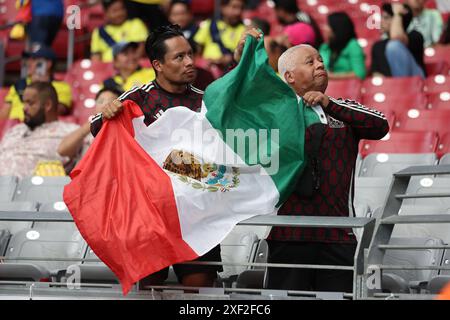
(43, 30)
(401, 61)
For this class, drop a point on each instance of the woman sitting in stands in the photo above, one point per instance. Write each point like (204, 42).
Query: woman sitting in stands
(342, 55)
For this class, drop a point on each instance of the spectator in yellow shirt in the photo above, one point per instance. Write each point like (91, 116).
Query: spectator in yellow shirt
(129, 72)
(149, 11)
(117, 28)
(218, 38)
(40, 65)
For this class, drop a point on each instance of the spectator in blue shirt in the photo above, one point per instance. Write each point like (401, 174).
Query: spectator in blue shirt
(46, 20)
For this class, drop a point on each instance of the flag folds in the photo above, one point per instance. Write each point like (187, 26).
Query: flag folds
(146, 197)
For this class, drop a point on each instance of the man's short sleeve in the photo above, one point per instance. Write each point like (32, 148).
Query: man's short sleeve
(202, 37)
(137, 30)
(95, 42)
(64, 93)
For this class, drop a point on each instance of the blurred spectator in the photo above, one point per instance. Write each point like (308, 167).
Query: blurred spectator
(445, 39)
(40, 67)
(397, 54)
(180, 13)
(342, 55)
(274, 51)
(117, 28)
(218, 38)
(149, 11)
(37, 139)
(426, 21)
(297, 33)
(46, 19)
(77, 142)
(128, 71)
(260, 24)
(288, 12)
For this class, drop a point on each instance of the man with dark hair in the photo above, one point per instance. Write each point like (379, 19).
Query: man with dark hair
(398, 53)
(40, 62)
(288, 12)
(37, 139)
(172, 59)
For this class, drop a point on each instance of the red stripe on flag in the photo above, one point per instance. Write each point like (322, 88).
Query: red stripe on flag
(124, 206)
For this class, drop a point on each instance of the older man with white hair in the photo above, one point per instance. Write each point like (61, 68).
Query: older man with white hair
(325, 187)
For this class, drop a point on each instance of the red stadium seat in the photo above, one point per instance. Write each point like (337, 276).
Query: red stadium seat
(437, 54)
(424, 120)
(347, 89)
(437, 83)
(398, 102)
(437, 67)
(444, 145)
(401, 142)
(8, 11)
(439, 100)
(388, 85)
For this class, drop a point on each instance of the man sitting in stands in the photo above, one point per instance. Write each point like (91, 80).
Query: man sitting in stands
(37, 139)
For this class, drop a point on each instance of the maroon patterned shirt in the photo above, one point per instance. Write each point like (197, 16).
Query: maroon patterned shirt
(348, 123)
(154, 100)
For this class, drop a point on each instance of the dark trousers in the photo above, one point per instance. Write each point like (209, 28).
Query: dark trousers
(310, 253)
(43, 29)
(150, 14)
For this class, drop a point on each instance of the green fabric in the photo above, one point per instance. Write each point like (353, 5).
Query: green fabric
(429, 24)
(252, 96)
(350, 59)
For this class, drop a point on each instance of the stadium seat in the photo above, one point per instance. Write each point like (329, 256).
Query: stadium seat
(371, 191)
(238, 246)
(402, 281)
(255, 277)
(56, 207)
(445, 159)
(401, 142)
(384, 164)
(438, 283)
(437, 53)
(422, 185)
(41, 189)
(389, 85)
(439, 100)
(4, 239)
(16, 226)
(43, 244)
(395, 102)
(346, 89)
(424, 120)
(8, 186)
(437, 68)
(8, 11)
(437, 83)
(437, 230)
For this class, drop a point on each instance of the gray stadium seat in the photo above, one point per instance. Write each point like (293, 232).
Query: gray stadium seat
(238, 246)
(439, 282)
(421, 185)
(56, 207)
(384, 165)
(41, 189)
(4, 239)
(401, 281)
(16, 226)
(372, 191)
(255, 277)
(41, 243)
(436, 230)
(445, 159)
(8, 186)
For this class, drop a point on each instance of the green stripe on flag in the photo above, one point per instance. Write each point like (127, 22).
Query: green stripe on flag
(252, 97)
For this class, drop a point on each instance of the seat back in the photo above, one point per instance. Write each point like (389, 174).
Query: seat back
(16, 226)
(8, 186)
(41, 189)
(384, 164)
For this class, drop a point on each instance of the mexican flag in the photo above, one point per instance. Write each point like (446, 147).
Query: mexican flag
(146, 197)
